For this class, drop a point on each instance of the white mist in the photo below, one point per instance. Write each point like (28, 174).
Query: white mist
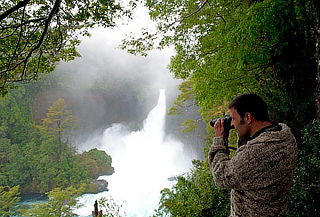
(143, 162)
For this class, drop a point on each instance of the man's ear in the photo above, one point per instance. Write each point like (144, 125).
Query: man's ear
(248, 117)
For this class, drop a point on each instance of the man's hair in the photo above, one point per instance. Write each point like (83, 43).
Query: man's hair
(251, 103)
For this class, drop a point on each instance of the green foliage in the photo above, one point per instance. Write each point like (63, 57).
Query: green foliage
(57, 163)
(186, 96)
(40, 158)
(194, 195)
(189, 126)
(35, 35)
(225, 48)
(59, 122)
(230, 47)
(16, 138)
(96, 162)
(15, 113)
(61, 202)
(9, 198)
(305, 192)
(58, 119)
(111, 208)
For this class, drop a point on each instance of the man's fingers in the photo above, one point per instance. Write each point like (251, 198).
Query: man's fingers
(219, 130)
(219, 123)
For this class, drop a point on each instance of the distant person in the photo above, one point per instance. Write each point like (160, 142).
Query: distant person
(260, 173)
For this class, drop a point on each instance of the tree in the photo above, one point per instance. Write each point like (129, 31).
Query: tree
(16, 116)
(40, 158)
(57, 165)
(36, 34)
(316, 33)
(305, 192)
(58, 123)
(9, 197)
(16, 132)
(194, 195)
(4, 157)
(232, 47)
(61, 202)
(110, 207)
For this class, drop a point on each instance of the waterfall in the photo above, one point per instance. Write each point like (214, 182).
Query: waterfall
(143, 162)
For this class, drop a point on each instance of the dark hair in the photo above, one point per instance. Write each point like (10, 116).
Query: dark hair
(251, 103)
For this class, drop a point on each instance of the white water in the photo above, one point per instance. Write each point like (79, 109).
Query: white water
(143, 162)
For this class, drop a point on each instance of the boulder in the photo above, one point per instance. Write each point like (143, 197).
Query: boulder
(97, 186)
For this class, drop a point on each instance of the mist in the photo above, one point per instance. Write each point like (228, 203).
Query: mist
(144, 162)
(114, 85)
(107, 85)
(114, 94)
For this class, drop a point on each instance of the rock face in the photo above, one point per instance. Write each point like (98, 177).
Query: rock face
(97, 162)
(97, 186)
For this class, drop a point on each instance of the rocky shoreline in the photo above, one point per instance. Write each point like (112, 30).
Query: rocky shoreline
(97, 186)
(93, 187)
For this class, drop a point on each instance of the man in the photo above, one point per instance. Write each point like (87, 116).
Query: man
(260, 172)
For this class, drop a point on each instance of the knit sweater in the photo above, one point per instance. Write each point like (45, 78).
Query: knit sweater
(259, 174)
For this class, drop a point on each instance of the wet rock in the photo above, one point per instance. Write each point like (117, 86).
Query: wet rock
(97, 186)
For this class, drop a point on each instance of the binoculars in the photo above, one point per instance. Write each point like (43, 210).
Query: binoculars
(226, 124)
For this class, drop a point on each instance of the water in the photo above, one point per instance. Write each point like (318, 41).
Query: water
(143, 162)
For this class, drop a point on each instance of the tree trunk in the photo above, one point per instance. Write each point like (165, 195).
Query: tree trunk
(317, 35)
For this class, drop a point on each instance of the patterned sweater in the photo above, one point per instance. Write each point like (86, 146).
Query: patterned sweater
(259, 174)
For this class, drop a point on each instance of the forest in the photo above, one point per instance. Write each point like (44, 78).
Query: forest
(222, 49)
(37, 157)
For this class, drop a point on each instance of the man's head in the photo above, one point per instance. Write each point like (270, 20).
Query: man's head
(248, 112)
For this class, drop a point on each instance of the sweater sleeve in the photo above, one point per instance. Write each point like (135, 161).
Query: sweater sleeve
(219, 161)
(218, 147)
(252, 167)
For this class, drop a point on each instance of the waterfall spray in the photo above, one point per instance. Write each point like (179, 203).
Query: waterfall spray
(143, 162)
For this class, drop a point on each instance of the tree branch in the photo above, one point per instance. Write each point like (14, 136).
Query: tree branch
(22, 24)
(13, 9)
(18, 42)
(54, 11)
(196, 11)
(7, 36)
(189, 15)
(166, 28)
(60, 35)
(39, 60)
(26, 43)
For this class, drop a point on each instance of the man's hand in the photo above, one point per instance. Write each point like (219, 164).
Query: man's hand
(216, 145)
(219, 129)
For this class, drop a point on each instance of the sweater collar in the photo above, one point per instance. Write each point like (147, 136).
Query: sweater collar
(272, 127)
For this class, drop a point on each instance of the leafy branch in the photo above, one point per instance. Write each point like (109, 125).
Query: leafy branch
(35, 35)
(145, 43)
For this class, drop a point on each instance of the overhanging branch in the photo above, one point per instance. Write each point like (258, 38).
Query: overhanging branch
(22, 24)
(13, 9)
(47, 22)
(196, 11)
